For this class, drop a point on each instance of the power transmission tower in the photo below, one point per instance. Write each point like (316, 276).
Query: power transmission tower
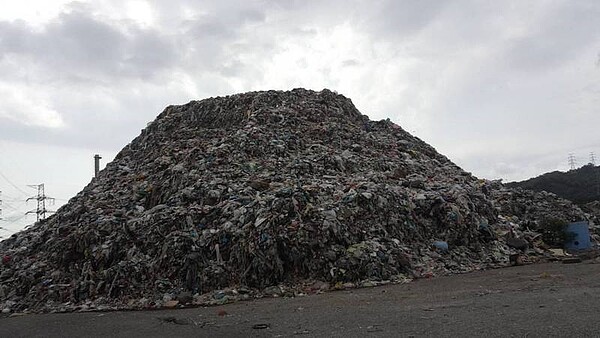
(593, 158)
(0, 204)
(41, 202)
(572, 161)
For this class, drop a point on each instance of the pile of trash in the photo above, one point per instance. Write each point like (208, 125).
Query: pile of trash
(525, 217)
(528, 206)
(276, 193)
(593, 209)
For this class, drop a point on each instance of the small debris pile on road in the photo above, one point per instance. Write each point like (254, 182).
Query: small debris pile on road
(263, 193)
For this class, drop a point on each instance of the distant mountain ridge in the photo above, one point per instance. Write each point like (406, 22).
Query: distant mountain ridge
(580, 185)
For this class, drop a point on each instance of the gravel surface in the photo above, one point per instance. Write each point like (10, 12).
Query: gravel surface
(538, 300)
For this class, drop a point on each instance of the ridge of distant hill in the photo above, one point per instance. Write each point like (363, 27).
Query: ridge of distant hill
(580, 185)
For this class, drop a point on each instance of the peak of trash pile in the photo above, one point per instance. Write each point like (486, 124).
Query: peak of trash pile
(263, 193)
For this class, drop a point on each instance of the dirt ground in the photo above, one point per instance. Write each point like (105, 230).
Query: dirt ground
(542, 300)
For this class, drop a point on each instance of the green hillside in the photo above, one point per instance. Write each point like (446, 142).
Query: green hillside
(580, 185)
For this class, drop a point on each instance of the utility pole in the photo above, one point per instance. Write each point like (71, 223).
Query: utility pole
(96, 164)
(572, 161)
(41, 198)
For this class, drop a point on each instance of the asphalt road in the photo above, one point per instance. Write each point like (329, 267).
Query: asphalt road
(544, 300)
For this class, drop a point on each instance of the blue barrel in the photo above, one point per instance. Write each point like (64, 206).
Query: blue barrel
(581, 241)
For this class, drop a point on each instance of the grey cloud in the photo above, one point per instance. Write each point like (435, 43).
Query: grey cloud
(78, 46)
(454, 69)
(560, 36)
(97, 67)
(80, 42)
(82, 131)
(350, 63)
(398, 19)
(250, 16)
(14, 131)
(149, 53)
(13, 37)
(233, 68)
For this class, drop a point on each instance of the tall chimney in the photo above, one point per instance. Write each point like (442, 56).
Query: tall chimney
(96, 164)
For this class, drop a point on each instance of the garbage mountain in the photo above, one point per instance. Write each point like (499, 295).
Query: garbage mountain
(265, 191)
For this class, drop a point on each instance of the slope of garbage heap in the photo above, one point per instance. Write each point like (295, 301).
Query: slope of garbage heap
(278, 193)
(593, 208)
(527, 207)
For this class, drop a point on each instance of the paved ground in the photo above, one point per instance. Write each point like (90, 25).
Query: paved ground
(528, 301)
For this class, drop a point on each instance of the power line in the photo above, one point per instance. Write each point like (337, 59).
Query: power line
(5, 229)
(9, 222)
(14, 185)
(15, 212)
(11, 232)
(11, 207)
(23, 215)
(11, 200)
(3, 204)
(8, 205)
(10, 197)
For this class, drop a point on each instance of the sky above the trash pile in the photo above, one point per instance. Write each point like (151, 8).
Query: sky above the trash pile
(505, 89)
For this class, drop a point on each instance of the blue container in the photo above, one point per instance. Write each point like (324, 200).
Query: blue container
(441, 245)
(582, 236)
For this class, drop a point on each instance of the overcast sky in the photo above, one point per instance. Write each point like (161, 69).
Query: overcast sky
(506, 89)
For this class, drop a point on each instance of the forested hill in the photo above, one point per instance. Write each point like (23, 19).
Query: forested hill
(580, 185)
